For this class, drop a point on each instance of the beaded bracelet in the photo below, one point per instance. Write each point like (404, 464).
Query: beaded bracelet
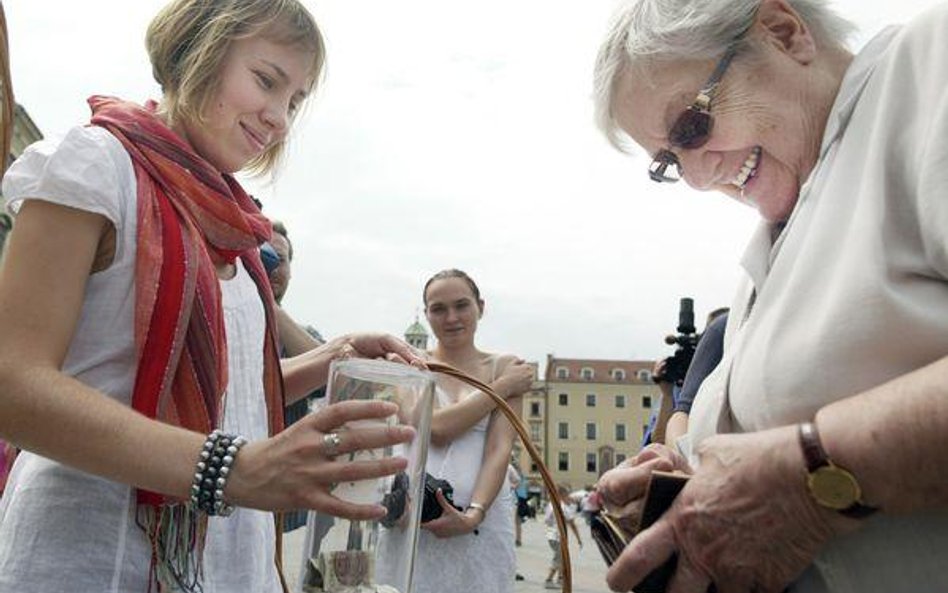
(213, 468)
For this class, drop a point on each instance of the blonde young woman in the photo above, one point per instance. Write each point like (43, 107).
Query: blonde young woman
(138, 319)
(472, 549)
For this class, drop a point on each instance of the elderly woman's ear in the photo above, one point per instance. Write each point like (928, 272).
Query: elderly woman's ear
(781, 27)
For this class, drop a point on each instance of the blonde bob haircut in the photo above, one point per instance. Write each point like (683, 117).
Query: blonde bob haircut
(188, 40)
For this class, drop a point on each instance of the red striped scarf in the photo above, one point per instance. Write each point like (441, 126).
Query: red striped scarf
(190, 217)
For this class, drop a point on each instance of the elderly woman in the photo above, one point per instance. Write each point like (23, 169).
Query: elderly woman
(817, 447)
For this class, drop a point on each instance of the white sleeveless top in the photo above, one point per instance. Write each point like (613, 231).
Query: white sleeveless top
(481, 563)
(65, 530)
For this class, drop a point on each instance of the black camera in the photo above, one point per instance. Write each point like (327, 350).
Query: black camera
(676, 365)
(430, 507)
(396, 501)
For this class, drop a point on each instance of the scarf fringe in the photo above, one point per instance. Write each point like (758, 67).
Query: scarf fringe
(177, 533)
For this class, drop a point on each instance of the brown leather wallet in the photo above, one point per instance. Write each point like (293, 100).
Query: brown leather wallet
(612, 534)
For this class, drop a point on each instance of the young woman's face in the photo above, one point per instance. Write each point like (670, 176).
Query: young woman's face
(262, 83)
(452, 311)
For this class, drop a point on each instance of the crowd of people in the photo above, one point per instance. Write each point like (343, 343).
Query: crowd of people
(155, 395)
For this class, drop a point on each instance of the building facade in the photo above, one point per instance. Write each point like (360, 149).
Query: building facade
(534, 404)
(24, 133)
(586, 416)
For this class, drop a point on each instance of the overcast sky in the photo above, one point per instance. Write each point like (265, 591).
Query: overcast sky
(448, 134)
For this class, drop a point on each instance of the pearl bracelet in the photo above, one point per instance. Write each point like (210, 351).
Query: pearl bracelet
(212, 470)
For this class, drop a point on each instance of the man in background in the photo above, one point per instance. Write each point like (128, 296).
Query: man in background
(277, 257)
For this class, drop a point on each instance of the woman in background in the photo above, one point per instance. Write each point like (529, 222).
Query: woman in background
(472, 549)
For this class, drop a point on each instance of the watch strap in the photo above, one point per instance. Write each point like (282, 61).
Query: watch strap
(813, 452)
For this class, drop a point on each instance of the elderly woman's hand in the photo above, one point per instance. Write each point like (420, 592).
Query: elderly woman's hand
(621, 489)
(378, 345)
(744, 521)
(298, 467)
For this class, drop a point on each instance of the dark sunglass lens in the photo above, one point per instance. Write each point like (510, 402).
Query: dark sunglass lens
(691, 129)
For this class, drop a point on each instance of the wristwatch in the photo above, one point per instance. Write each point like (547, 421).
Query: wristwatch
(830, 485)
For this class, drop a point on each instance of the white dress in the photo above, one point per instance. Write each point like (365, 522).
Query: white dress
(482, 563)
(65, 530)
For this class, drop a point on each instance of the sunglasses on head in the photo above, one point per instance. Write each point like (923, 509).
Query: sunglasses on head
(692, 128)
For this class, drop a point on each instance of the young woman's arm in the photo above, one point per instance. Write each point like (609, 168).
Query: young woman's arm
(293, 337)
(43, 276)
(490, 478)
(42, 282)
(515, 379)
(310, 370)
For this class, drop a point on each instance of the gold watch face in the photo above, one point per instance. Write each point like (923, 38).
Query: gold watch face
(834, 487)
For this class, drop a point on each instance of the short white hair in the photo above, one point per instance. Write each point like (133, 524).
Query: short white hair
(690, 30)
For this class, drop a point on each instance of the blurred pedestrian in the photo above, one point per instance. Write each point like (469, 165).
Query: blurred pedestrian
(562, 498)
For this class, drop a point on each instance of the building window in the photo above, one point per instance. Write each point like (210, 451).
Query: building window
(620, 432)
(563, 461)
(534, 409)
(590, 400)
(618, 374)
(591, 462)
(646, 401)
(620, 457)
(590, 431)
(563, 430)
(644, 376)
(620, 401)
(562, 373)
(534, 468)
(587, 373)
(535, 431)
(564, 399)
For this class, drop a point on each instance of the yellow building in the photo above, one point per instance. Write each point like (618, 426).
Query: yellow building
(532, 416)
(586, 416)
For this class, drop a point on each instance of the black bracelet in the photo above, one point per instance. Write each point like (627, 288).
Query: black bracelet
(212, 470)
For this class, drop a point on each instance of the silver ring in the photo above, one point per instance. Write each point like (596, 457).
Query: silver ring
(331, 442)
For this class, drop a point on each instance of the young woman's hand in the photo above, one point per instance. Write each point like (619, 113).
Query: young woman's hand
(516, 379)
(298, 468)
(378, 345)
(453, 522)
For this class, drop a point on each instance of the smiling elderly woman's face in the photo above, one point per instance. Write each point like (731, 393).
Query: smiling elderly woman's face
(769, 110)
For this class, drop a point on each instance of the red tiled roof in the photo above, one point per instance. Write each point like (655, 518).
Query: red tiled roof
(602, 369)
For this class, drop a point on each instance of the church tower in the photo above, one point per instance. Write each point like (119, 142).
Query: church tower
(416, 335)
